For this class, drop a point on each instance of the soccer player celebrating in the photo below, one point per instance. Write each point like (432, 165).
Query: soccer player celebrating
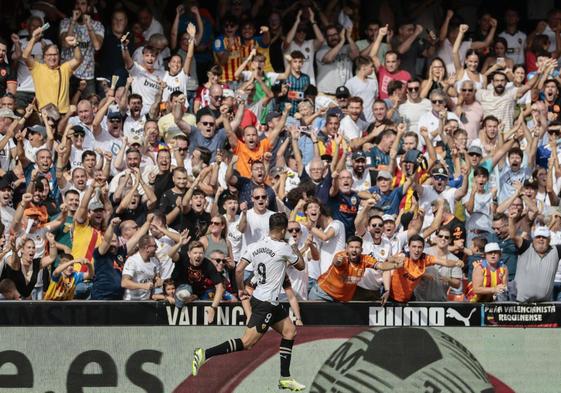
(269, 257)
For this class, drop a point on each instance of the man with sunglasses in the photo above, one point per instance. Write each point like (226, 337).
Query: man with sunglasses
(469, 110)
(431, 119)
(375, 245)
(415, 106)
(438, 279)
(500, 101)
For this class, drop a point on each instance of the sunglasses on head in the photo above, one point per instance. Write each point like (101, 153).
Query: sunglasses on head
(291, 230)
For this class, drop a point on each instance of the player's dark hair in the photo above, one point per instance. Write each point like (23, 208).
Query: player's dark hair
(278, 221)
(416, 238)
(354, 239)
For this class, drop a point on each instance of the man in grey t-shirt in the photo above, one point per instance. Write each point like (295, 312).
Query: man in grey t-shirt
(536, 267)
(437, 279)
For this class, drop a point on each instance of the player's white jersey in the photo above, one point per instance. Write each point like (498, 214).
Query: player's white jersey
(269, 258)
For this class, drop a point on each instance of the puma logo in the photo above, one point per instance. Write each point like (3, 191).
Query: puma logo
(452, 313)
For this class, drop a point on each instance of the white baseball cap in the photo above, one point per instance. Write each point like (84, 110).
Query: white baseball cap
(541, 231)
(492, 247)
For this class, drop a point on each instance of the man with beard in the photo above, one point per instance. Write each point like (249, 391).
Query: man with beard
(361, 177)
(146, 78)
(141, 273)
(405, 279)
(170, 202)
(85, 119)
(499, 101)
(335, 60)
(136, 116)
(375, 245)
(246, 186)
(194, 275)
(109, 259)
(380, 152)
(339, 283)
(52, 79)
(343, 201)
(352, 126)
(551, 96)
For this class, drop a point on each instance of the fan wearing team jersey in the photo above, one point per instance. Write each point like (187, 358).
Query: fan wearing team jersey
(145, 76)
(271, 256)
(178, 75)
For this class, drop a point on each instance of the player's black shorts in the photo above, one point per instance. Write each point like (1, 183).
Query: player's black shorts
(264, 314)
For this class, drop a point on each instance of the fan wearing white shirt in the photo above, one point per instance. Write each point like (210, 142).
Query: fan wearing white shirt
(361, 85)
(146, 77)
(178, 75)
(352, 126)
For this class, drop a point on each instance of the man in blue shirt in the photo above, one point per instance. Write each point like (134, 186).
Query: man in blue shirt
(389, 199)
(343, 201)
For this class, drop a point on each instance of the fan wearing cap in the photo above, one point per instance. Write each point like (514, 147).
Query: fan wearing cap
(538, 262)
(475, 154)
(388, 200)
(439, 189)
(490, 277)
(36, 140)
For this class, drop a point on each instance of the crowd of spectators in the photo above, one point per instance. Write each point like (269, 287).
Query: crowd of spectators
(144, 145)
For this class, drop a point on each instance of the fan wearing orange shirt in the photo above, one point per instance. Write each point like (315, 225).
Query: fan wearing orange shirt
(339, 282)
(405, 278)
(252, 149)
